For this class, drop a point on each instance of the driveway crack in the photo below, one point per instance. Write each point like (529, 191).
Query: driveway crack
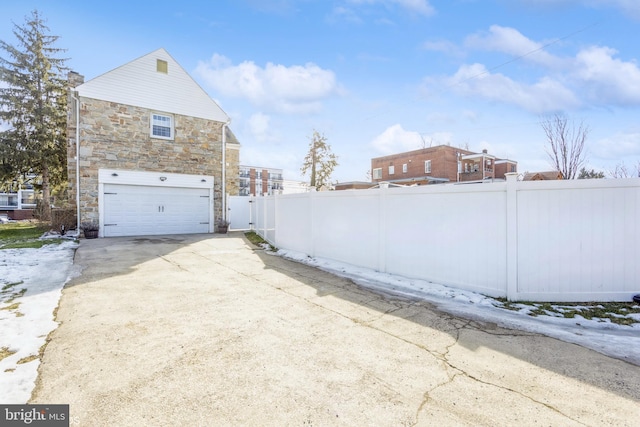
(458, 325)
(175, 264)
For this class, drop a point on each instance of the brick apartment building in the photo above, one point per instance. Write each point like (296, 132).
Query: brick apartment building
(439, 164)
(256, 180)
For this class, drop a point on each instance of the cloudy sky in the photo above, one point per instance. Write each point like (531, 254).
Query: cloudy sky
(381, 76)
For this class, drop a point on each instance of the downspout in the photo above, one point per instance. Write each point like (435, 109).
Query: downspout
(73, 95)
(224, 169)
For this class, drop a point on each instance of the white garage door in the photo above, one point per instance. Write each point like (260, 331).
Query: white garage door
(138, 210)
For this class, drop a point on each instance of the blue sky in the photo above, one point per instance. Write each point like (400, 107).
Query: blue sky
(381, 76)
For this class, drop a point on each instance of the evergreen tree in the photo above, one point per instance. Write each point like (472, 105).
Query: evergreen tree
(319, 161)
(592, 174)
(33, 105)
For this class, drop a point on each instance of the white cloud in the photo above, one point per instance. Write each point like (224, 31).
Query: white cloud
(396, 140)
(263, 156)
(259, 127)
(631, 7)
(608, 79)
(618, 146)
(543, 96)
(594, 76)
(511, 41)
(294, 89)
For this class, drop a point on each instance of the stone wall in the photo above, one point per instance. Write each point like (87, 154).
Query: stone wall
(116, 136)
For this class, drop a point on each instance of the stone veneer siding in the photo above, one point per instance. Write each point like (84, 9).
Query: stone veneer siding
(117, 136)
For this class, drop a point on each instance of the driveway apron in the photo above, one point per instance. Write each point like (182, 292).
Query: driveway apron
(206, 330)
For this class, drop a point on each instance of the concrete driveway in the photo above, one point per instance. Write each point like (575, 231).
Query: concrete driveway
(206, 330)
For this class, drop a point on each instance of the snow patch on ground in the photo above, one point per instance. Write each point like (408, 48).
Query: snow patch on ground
(32, 281)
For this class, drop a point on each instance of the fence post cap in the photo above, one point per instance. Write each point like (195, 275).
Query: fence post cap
(511, 176)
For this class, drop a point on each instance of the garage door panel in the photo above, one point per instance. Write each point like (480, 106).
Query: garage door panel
(132, 210)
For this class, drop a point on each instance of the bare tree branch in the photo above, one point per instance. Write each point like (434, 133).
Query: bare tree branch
(622, 171)
(565, 144)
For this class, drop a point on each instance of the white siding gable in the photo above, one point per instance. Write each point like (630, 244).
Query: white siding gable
(138, 83)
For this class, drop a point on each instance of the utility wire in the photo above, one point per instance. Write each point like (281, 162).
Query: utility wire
(517, 58)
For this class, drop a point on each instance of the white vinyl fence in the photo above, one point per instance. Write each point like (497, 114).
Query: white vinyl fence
(543, 241)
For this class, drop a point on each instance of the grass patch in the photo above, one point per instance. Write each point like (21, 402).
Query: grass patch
(15, 235)
(508, 305)
(15, 295)
(5, 352)
(11, 285)
(31, 244)
(27, 359)
(13, 306)
(21, 230)
(254, 238)
(615, 312)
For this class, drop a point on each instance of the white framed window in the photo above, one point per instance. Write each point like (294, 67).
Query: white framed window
(377, 173)
(161, 126)
(427, 166)
(404, 168)
(392, 170)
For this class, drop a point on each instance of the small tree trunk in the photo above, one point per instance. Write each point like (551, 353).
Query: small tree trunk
(46, 194)
(313, 166)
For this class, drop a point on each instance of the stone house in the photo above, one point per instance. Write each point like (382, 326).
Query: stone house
(439, 164)
(149, 151)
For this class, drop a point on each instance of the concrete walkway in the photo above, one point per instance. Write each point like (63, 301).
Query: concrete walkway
(206, 330)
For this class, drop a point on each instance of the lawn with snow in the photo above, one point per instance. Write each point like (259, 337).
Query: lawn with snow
(31, 282)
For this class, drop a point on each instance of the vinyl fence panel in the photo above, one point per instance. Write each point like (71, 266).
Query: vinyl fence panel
(544, 241)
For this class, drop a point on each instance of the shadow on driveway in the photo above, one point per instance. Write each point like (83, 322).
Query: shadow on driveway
(203, 330)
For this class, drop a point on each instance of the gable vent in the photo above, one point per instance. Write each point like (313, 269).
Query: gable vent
(162, 66)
